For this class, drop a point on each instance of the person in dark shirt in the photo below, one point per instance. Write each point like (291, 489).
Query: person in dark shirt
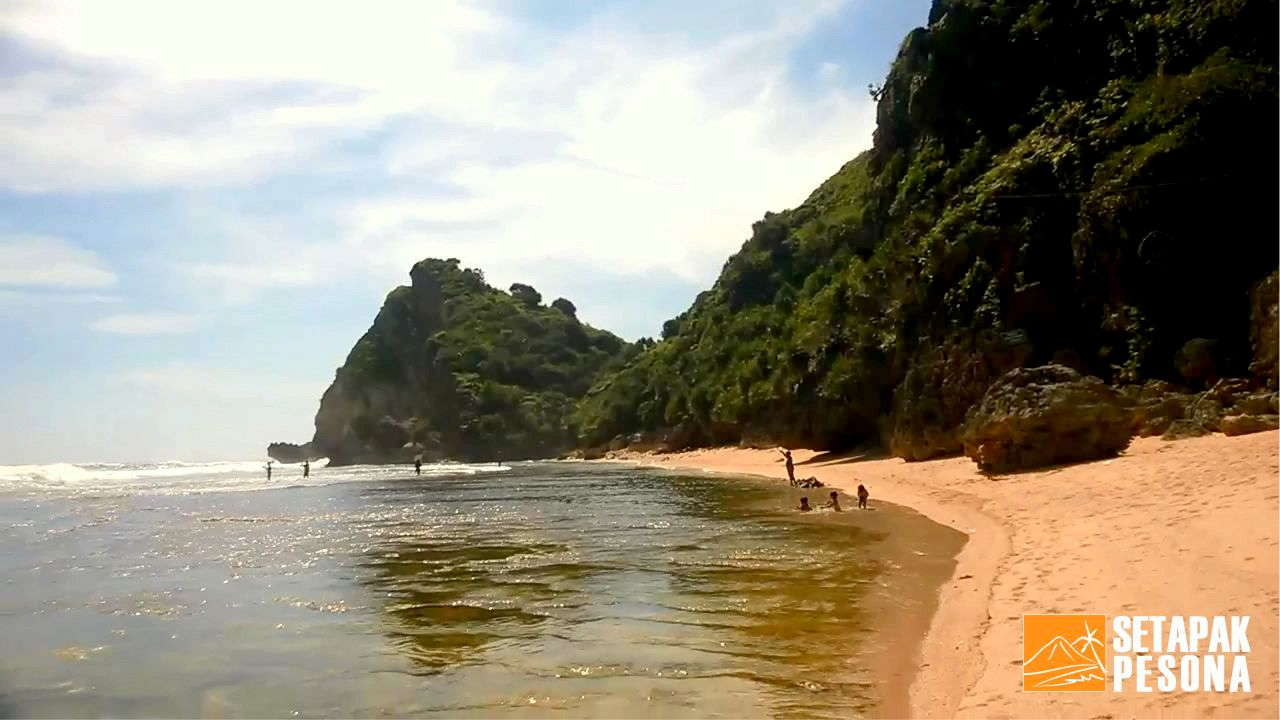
(791, 467)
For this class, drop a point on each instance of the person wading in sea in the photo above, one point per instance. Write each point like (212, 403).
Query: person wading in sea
(863, 494)
(791, 467)
(306, 468)
(268, 471)
(834, 502)
(417, 466)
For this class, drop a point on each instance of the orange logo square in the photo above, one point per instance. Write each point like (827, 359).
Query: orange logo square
(1064, 653)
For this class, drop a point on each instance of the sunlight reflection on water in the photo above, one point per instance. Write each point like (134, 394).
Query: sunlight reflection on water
(552, 589)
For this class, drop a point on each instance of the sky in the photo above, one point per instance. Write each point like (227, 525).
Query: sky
(203, 204)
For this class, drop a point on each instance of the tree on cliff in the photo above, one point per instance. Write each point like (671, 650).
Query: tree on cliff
(565, 307)
(526, 294)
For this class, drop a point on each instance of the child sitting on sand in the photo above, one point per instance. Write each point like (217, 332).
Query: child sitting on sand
(804, 505)
(862, 497)
(834, 502)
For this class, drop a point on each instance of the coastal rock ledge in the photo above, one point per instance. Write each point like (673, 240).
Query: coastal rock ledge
(284, 452)
(1047, 415)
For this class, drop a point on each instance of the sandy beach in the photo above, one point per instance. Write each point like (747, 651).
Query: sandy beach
(1169, 528)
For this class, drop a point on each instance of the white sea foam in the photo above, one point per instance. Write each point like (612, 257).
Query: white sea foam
(177, 477)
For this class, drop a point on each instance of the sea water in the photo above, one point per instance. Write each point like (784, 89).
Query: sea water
(520, 589)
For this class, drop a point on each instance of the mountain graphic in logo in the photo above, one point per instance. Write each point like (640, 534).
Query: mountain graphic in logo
(1066, 653)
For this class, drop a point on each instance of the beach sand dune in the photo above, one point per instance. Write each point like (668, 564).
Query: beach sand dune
(1168, 528)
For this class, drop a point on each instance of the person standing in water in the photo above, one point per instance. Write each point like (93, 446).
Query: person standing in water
(417, 466)
(862, 497)
(791, 467)
(804, 504)
(306, 468)
(834, 502)
(269, 470)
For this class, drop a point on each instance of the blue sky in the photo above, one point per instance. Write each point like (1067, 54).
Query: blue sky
(202, 205)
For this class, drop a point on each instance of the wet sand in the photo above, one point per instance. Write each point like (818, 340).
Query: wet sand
(1177, 528)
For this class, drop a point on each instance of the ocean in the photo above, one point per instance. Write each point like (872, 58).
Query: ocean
(544, 589)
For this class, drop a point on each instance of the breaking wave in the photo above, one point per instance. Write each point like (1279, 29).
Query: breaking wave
(176, 477)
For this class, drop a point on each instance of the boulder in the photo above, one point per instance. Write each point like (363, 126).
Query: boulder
(1197, 361)
(1182, 429)
(1047, 415)
(1246, 424)
(1156, 405)
(1263, 403)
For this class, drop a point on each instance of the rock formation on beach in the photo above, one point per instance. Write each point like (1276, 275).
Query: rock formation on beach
(453, 368)
(1088, 184)
(284, 452)
(1048, 415)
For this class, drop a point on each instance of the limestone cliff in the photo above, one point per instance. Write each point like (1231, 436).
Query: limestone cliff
(1081, 183)
(453, 368)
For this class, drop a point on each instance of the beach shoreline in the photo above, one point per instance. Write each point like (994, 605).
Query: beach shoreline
(1175, 528)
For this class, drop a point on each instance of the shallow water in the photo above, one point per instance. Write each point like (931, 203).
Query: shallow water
(539, 589)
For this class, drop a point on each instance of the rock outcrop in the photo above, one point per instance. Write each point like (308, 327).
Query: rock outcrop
(930, 404)
(1264, 330)
(1240, 399)
(453, 368)
(1156, 406)
(1246, 424)
(1047, 415)
(283, 452)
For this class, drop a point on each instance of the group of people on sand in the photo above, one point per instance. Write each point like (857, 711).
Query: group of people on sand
(834, 502)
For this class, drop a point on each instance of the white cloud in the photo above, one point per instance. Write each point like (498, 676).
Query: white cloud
(9, 298)
(146, 323)
(607, 145)
(193, 95)
(50, 262)
(215, 383)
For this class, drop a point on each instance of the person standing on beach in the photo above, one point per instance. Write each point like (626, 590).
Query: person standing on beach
(306, 468)
(791, 467)
(862, 497)
(268, 471)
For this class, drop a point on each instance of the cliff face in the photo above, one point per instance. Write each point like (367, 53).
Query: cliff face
(1086, 183)
(453, 368)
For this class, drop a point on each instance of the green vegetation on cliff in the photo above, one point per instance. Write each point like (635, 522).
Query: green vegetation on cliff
(455, 368)
(1087, 182)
